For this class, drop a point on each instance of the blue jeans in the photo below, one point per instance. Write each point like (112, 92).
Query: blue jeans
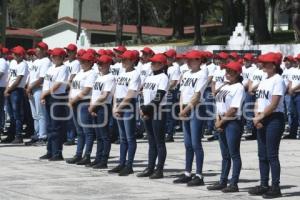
(268, 139)
(295, 106)
(38, 111)
(249, 114)
(2, 112)
(193, 132)
(210, 123)
(56, 122)
(15, 105)
(83, 122)
(230, 141)
(71, 130)
(126, 125)
(155, 128)
(101, 121)
(170, 121)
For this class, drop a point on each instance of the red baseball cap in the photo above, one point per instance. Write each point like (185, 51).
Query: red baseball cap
(4, 50)
(30, 51)
(234, 55)
(91, 51)
(136, 53)
(120, 49)
(289, 58)
(271, 58)
(130, 55)
(71, 47)
(208, 54)
(87, 57)
(147, 50)
(159, 58)
(235, 66)
(223, 55)
(249, 57)
(171, 53)
(58, 52)
(110, 52)
(298, 57)
(101, 52)
(181, 56)
(18, 50)
(42, 45)
(194, 54)
(80, 52)
(104, 59)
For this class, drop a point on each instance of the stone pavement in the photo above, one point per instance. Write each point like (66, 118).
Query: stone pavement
(24, 176)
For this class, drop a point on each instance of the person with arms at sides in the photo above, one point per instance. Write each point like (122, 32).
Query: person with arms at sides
(37, 72)
(269, 121)
(219, 78)
(192, 112)
(73, 65)
(79, 99)
(154, 116)
(124, 109)
(117, 68)
(229, 101)
(14, 93)
(54, 97)
(101, 110)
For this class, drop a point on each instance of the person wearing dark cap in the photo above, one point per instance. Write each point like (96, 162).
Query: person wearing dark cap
(152, 111)
(192, 111)
(54, 97)
(79, 99)
(101, 110)
(269, 121)
(229, 101)
(37, 72)
(124, 108)
(14, 92)
(73, 65)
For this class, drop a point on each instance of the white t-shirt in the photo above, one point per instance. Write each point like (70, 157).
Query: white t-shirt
(191, 83)
(73, 67)
(211, 69)
(82, 80)
(294, 77)
(16, 70)
(56, 75)
(127, 81)
(257, 76)
(38, 69)
(247, 73)
(174, 72)
(286, 75)
(117, 69)
(152, 84)
(184, 68)
(266, 89)
(103, 83)
(3, 69)
(219, 77)
(145, 71)
(230, 96)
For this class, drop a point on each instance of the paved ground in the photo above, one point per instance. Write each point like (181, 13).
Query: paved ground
(23, 176)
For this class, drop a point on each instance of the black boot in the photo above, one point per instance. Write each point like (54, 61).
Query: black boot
(8, 139)
(116, 169)
(274, 192)
(57, 157)
(92, 164)
(258, 190)
(196, 181)
(231, 189)
(46, 156)
(182, 179)
(146, 173)
(101, 165)
(217, 186)
(84, 161)
(126, 171)
(74, 160)
(18, 140)
(158, 174)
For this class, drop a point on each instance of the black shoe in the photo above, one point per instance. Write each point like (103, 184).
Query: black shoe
(84, 161)
(69, 143)
(196, 181)
(31, 142)
(139, 136)
(145, 137)
(100, 166)
(126, 171)
(290, 137)
(74, 160)
(46, 156)
(116, 169)
(217, 186)
(57, 158)
(40, 142)
(170, 138)
(8, 139)
(258, 190)
(18, 140)
(274, 192)
(158, 174)
(231, 189)
(211, 138)
(182, 179)
(146, 173)
(92, 164)
(250, 137)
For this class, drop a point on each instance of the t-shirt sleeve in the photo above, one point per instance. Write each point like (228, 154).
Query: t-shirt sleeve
(175, 74)
(201, 84)
(21, 69)
(163, 83)
(90, 80)
(238, 98)
(3, 65)
(211, 69)
(75, 68)
(279, 87)
(62, 75)
(135, 82)
(110, 84)
(44, 67)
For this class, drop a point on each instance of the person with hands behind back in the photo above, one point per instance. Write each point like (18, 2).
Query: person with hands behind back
(269, 121)
(229, 101)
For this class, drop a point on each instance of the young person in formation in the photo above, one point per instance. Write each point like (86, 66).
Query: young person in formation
(229, 101)
(192, 109)
(79, 99)
(14, 92)
(269, 121)
(154, 93)
(127, 86)
(54, 97)
(101, 110)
